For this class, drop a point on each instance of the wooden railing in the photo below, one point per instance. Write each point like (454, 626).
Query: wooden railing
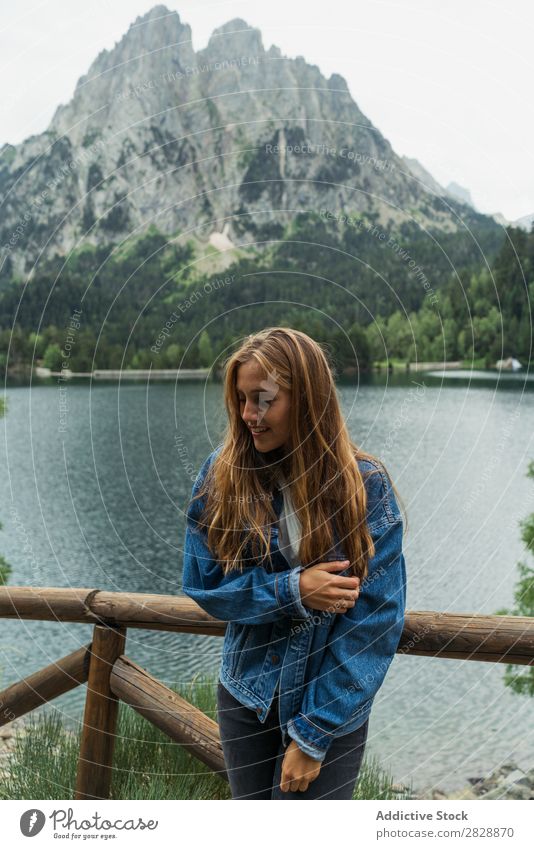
(112, 676)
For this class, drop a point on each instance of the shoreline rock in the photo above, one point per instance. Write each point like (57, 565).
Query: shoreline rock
(508, 781)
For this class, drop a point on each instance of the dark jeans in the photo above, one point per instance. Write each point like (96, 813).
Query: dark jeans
(253, 755)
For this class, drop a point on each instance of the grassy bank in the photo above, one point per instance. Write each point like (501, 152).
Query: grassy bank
(147, 764)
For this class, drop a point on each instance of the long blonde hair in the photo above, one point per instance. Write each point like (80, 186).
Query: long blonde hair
(326, 483)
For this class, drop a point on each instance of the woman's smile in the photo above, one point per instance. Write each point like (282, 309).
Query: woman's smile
(259, 431)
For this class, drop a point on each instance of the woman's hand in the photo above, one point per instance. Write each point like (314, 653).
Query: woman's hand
(298, 770)
(322, 589)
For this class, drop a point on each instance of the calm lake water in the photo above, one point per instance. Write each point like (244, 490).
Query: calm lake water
(101, 505)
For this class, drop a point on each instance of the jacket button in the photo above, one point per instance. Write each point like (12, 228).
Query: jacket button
(275, 658)
(258, 711)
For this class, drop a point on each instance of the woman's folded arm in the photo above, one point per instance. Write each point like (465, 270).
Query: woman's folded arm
(252, 596)
(361, 645)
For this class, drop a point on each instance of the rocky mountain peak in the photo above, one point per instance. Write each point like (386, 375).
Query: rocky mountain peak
(158, 32)
(336, 81)
(156, 13)
(236, 34)
(157, 133)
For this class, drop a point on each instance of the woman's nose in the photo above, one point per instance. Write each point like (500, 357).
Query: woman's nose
(249, 412)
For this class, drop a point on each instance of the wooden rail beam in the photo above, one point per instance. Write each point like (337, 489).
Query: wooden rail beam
(181, 721)
(45, 685)
(464, 636)
(131, 610)
(46, 604)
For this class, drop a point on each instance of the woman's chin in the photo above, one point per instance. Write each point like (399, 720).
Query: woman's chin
(263, 448)
(269, 448)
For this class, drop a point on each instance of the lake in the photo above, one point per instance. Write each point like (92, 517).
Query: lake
(94, 482)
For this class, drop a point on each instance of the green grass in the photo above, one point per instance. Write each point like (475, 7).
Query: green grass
(147, 764)
(479, 363)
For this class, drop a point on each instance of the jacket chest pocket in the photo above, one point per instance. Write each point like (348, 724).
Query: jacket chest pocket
(247, 648)
(239, 640)
(234, 640)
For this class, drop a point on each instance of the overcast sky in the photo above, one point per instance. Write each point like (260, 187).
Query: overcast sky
(447, 83)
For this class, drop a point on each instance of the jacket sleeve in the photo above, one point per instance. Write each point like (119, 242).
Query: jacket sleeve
(253, 596)
(361, 645)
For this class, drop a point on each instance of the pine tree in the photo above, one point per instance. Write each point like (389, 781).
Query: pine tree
(519, 678)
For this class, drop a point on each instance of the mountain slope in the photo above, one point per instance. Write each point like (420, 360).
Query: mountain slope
(232, 139)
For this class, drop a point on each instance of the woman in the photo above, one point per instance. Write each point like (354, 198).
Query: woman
(294, 536)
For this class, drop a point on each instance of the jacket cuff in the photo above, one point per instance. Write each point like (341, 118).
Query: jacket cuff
(309, 738)
(288, 593)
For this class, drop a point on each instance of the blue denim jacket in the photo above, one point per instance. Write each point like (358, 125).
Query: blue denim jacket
(328, 666)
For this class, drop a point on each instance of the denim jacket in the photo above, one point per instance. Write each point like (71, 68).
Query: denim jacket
(328, 666)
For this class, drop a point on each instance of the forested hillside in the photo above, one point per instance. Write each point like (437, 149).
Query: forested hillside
(394, 297)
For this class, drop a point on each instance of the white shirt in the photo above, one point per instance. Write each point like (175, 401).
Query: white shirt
(289, 527)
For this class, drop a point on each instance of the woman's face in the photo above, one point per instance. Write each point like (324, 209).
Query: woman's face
(263, 406)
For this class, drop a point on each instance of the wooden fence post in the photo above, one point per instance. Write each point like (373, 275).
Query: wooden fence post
(100, 717)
